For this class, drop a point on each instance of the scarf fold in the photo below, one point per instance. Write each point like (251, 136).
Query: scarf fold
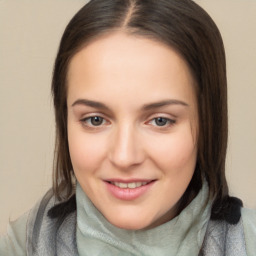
(183, 235)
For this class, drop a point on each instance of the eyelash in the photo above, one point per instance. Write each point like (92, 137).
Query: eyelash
(85, 120)
(168, 122)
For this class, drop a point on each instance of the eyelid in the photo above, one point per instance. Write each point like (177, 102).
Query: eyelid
(171, 121)
(163, 115)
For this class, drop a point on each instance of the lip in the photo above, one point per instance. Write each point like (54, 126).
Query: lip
(128, 194)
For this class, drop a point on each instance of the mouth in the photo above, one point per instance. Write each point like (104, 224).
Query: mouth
(129, 184)
(129, 190)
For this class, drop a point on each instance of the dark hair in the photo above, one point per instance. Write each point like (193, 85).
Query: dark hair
(187, 28)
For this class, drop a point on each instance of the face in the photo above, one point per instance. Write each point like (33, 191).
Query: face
(132, 128)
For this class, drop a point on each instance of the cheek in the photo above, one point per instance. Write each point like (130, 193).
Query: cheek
(175, 152)
(86, 151)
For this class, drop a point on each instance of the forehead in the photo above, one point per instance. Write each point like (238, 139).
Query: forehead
(124, 62)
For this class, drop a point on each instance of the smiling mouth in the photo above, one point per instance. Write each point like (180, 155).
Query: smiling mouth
(129, 190)
(130, 184)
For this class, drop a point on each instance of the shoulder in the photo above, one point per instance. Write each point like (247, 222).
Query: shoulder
(249, 224)
(14, 241)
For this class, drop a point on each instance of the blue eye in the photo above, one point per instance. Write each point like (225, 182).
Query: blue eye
(161, 121)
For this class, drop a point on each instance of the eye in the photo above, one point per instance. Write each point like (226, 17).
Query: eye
(162, 121)
(93, 121)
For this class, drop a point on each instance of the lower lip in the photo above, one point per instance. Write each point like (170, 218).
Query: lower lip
(128, 193)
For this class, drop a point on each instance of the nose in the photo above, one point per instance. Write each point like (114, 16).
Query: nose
(126, 151)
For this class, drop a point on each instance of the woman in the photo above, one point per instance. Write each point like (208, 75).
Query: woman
(140, 102)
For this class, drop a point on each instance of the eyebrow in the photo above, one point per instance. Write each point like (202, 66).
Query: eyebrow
(90, 103)
(146, 107)
(163, 104)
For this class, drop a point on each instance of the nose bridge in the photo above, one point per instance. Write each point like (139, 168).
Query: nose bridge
(125, 151)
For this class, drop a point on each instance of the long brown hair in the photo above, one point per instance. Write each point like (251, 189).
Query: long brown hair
(187, 28)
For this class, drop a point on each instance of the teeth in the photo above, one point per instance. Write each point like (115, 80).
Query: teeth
(129, 185)
(132, 185)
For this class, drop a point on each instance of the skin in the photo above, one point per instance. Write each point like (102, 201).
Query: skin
(127, 74)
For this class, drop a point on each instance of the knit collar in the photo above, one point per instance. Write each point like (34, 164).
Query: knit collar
(183, 235)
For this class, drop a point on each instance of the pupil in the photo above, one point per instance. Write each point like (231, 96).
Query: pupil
(96, 120)
(161, 121)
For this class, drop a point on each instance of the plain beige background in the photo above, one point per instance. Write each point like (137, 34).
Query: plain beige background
(29, 35)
